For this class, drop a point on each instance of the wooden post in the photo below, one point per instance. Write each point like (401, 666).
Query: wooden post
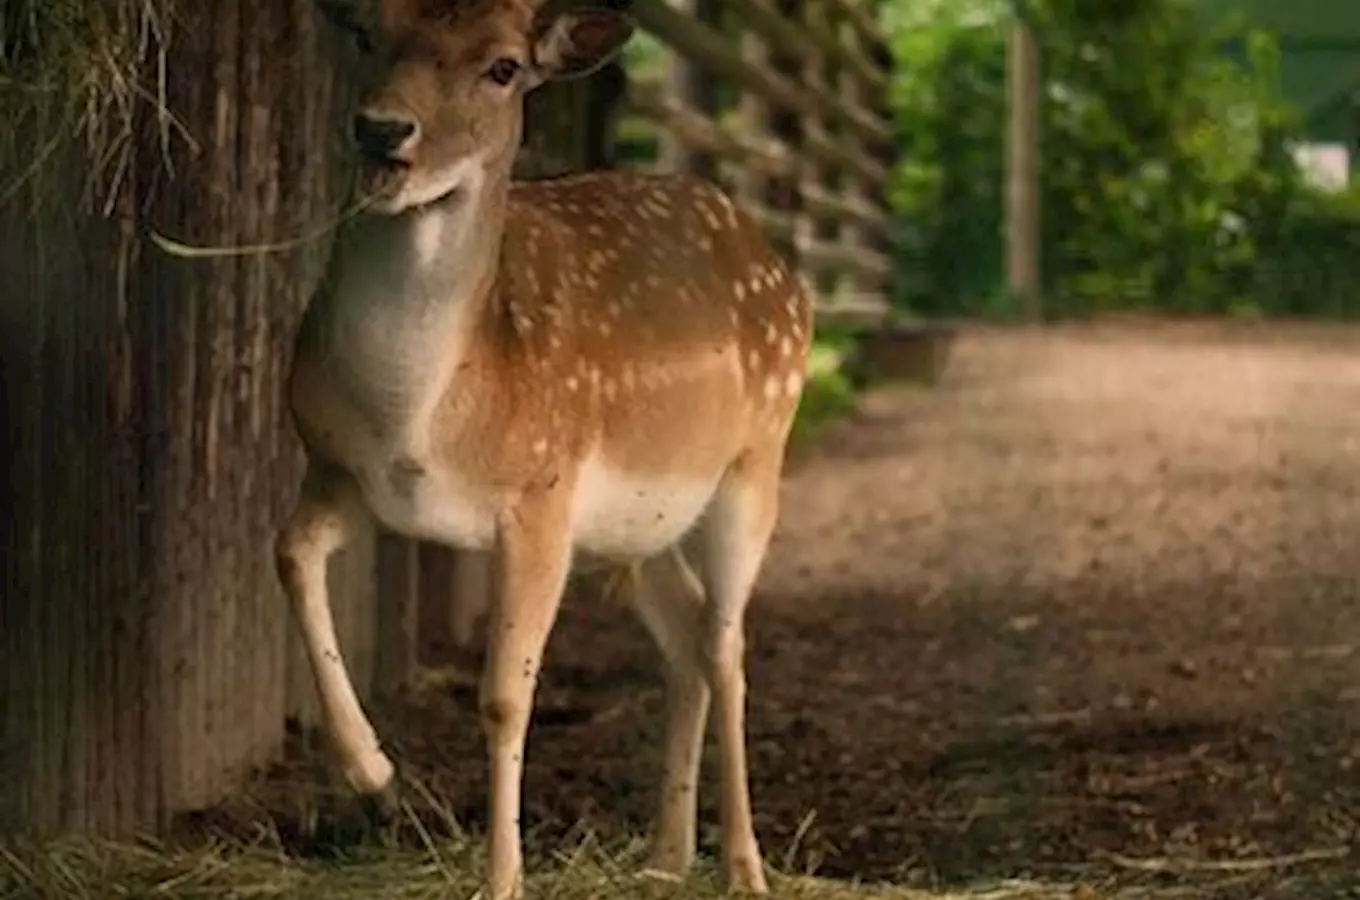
(828, 285)
(1353, 145)
(809, 173)
(782, 194)
(1022, 171)
(695, 89)
(143, 632)
(398, 608)
(858, 93)
(604, 103)
(754, 115)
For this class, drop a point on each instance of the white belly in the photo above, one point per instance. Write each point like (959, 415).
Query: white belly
(620, 516)
(616, 515)
(425, 503)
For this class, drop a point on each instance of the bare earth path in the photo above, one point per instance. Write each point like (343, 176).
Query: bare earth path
(1098, 593)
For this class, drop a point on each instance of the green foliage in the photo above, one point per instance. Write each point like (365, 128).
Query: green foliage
(1165, 177)
(947, 190)
(828, 392)
(645, 57)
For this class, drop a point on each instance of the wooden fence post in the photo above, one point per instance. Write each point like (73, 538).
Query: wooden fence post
(1022, 171)
(817, 179)
(146, 637)
(695, 88)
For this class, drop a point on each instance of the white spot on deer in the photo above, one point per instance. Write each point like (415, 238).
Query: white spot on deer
(771, 388)
(792, 382)
(728, 209)
(656, 205)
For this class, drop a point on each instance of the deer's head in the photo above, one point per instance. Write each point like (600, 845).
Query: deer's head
(443, 82)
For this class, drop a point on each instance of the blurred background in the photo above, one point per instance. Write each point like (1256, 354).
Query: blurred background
(1064, 598)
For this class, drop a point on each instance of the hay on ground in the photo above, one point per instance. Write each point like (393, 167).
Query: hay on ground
(226, 870)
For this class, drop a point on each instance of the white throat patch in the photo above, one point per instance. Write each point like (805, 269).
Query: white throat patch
(466, 175)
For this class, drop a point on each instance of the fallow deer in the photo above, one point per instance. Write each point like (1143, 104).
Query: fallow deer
(588, 368)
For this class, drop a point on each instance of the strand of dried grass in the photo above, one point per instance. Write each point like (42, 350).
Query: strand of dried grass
(1175, 866)
(190, 251)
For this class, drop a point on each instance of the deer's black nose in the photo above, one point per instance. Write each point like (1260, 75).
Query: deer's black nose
(382, 137)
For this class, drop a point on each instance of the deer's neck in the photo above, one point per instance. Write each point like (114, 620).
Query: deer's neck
(407, 292)
(425, 264)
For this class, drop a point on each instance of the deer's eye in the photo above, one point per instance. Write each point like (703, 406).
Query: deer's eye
(503, 71)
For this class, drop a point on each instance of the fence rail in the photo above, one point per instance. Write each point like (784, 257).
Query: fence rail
(802, 140)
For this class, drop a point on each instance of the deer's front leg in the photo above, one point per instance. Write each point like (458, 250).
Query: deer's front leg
(532, 560)
(327, 514)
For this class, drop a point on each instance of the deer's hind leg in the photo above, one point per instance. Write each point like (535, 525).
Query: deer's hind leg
(669, 600)
(736, 532)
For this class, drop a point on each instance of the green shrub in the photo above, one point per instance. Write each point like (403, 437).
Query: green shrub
(1165, 177)
(828, 393)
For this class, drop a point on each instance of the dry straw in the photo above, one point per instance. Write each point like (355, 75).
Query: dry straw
(84, 71)
(90, 74)
(222, 871)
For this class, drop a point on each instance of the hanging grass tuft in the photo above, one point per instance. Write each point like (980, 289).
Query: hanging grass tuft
(79, 72)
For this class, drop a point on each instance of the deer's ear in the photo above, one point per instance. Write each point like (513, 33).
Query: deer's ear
(579, 43)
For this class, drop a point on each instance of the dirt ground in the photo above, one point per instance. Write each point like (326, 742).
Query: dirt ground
(1094, 599)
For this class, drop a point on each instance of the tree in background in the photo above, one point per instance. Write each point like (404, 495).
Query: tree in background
(1165, 181)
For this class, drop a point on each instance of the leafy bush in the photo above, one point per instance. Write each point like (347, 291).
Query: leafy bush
(828, 393)
(1166, 180)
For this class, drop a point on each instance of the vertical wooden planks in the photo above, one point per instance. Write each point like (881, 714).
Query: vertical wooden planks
(145, 635)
